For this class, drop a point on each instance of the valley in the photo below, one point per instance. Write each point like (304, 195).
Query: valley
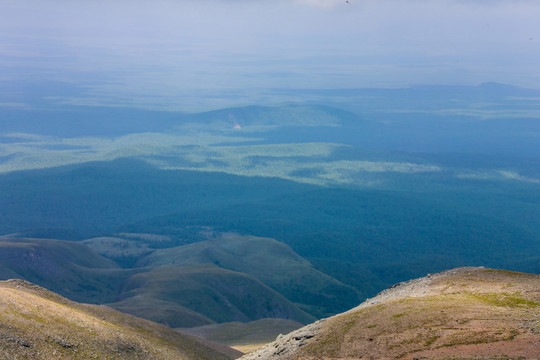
(244, 223)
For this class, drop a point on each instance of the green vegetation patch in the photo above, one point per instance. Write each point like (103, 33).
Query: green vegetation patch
(431, 340)
(478, 337)
(508, 272)
(396, 316)
(503, 299)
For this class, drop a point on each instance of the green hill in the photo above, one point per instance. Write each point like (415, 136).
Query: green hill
(371, 239)
(271, 262)
(68, 268)
(203, 294)
(183, 296)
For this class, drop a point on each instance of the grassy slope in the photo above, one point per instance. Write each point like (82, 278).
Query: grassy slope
(69, 268)
(211, 294)
(269, 261)
(461, 314)
(39, 324)
(188, 296)
(124, 252)
(486, 309)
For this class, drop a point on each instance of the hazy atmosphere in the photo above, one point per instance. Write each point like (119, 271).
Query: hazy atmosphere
(237, 170)
(199, 55)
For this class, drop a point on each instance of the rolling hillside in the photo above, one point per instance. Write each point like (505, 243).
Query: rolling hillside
(371, 239)
(203, 294)
(180, 296)
(365, 239)
(465, 313)
(66, 267)
(268, 260)
(38, 324)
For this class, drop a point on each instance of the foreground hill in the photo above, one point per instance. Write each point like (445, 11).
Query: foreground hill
(39, 324)
(466, 313)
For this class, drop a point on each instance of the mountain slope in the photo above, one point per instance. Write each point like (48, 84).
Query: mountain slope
(39, 324)
(184, 296)
(273, 263)
(465, 313)
(203, 294)
(68, 268)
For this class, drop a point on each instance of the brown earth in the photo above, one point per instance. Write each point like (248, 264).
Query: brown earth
(466, 313)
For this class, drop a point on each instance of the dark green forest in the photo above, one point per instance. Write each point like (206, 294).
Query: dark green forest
(369, 239)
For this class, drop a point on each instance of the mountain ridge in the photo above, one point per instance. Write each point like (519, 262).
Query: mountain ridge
(465, 313)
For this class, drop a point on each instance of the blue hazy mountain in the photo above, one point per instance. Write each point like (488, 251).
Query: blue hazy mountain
(491, 118)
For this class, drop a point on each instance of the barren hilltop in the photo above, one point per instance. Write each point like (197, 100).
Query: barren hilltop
(465, 313)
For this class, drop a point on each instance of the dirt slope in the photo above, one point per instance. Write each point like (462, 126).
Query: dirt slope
(38, 324)
(465, 313)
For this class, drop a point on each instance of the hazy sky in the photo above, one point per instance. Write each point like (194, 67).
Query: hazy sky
(179, 54)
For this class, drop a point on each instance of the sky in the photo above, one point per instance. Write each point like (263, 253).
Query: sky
(194, 54)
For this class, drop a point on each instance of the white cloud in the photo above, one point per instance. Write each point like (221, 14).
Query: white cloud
(322, 3)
